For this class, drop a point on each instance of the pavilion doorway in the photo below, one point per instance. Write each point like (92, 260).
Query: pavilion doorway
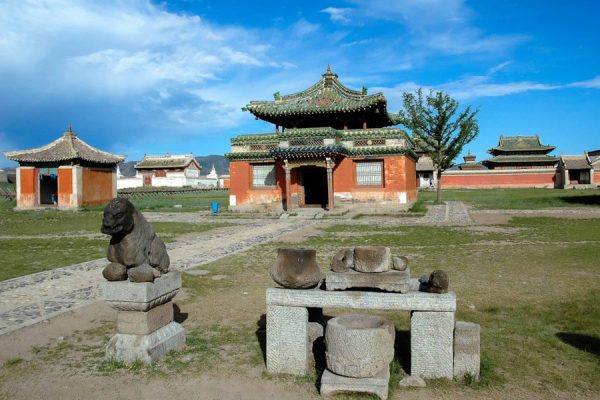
(48, 188)
(313, 187)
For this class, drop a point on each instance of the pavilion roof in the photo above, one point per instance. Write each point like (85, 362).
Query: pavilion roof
(166, 161)
(66, 148)
(327, 96)
(575, 162)
(520, 143)
(520, 159)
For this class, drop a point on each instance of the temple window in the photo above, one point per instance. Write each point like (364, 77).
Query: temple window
(369, 173)
(263, 175)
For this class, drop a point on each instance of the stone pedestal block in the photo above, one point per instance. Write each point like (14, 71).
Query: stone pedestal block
(390, 281)
(332, 384)
(466, 349)
(146, 348)
(144, 322)
(137, 296)
(431, 343)
(372, 258)
(287, 340)
(359, 345)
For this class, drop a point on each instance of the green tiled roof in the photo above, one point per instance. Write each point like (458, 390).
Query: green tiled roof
(167, 161)
(260, 138)
(520, 143)
(542, 158)
(308, 152)
(375, 133)
(382, 151)
(306, 133)
(327, 96)
(255, 155)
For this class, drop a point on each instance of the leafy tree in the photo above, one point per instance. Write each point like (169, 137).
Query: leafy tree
(436, 128)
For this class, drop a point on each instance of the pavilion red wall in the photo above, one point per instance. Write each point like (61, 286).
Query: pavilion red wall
(27, 196)
(65, 187)
(240, 173)
(97, 186)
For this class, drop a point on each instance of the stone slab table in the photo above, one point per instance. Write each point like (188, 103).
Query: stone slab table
(432, 326)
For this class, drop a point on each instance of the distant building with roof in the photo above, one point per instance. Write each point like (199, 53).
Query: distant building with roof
(516, 162)
(67, 173)
(518, 152)
(575, 171)
(169, 170)
(334, 146)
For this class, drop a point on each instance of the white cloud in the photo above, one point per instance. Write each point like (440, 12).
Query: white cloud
(499, 67)
(593, 83)
(340, 15)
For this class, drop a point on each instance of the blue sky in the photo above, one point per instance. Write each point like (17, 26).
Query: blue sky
(143, 77)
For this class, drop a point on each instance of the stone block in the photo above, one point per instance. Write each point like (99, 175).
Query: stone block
(359, 345)
(390, 281)
(332, 384)
(466, 349)
(372, 258)
(141, 296)
(146, 348)
(144, 322)
(431, 344)
(287, 340)
(317, 298)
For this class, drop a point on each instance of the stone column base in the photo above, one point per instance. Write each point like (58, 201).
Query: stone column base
(146, 348)
(332, 384)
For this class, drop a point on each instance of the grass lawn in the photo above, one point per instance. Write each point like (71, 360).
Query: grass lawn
(34, 241)
(533, 285)
(189, 201)
(509, 199)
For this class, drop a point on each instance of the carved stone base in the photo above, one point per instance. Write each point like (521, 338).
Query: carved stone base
(146, 348)
(390, 281)
(332, 384)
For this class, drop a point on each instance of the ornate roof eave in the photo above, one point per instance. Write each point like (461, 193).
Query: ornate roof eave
(383, 151)
(249, 156)
(308, 152)
(260, 138)
(521, 159)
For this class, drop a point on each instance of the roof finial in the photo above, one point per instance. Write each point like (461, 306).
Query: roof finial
(328, 69)
(70, 128)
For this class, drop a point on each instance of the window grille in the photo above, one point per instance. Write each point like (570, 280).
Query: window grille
(369, 173)
(369, 142)
(258, 147)
(306, 142)
(263, 175)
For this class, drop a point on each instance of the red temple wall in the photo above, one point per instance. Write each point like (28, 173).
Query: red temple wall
(65, 187)
(27, 196)
(507, 180)
(97, 186)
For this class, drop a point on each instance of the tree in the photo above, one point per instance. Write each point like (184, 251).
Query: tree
(436, 130)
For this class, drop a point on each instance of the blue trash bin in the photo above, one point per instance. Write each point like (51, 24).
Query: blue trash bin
(214, 206)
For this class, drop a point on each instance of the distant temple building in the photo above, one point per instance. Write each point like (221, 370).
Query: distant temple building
(517, 152)
(576, 171)
(67, 173)
(333, 147)
(516, 162)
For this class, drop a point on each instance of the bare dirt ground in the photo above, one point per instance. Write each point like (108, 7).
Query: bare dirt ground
(37, 371)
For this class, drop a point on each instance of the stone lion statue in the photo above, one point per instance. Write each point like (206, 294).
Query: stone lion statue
(134, 252)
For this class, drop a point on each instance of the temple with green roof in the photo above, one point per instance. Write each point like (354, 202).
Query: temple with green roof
(330, 144)
(517, 152)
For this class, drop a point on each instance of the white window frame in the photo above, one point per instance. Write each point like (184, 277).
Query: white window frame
(263, 176)
(369, 173)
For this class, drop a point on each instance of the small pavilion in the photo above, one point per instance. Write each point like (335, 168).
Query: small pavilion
(330, 145)
(66, 173)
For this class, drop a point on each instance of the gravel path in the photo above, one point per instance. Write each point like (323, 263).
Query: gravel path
(33, 298)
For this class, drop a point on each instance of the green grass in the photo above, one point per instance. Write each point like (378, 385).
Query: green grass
(516, 199)
(190, 201)
(42, 240)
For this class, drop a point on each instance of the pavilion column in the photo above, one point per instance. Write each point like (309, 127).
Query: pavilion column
(329, 164)
(288, 186)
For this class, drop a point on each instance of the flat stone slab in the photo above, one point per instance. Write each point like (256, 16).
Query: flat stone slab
(466, 349)
(332, 384)
(317, 298)
(138, 296)
(390, 281)
(146, 348)
(431, 344)
(287, 340)
(144, 322)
